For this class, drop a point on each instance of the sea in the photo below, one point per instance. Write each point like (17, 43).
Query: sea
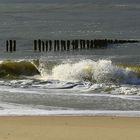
(90, 82)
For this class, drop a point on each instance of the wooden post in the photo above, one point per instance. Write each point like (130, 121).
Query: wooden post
(116, 41)
(14, 45)
(91, 44)
(43, 46)
(46, 44)
(58, 47)
(76, 44)
(73, 45)
(7, 45)
(11, 46)
(55, 45)
(68, 45)
(81, 44)
(84, 44)
(35, 45)
(88, 44)
(64, 43)
(39, 45)
(95, 43)
(50, 45)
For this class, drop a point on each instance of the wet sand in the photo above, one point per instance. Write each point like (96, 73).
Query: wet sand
(69, 128)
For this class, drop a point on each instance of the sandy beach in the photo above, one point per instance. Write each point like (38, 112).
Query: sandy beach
(69, 128)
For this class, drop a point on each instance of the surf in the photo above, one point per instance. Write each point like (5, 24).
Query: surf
(13, 69)
(101, 71)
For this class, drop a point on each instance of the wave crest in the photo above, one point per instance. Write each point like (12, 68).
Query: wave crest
(101, 71)
(11, 69)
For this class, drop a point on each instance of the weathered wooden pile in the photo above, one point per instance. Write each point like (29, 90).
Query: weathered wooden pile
(10, 45)
(67, 45)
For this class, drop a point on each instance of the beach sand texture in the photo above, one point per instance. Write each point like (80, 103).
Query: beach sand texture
(69, 128)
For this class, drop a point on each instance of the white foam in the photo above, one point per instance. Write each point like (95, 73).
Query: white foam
(9, 109)
(102, 71)
(77, 71)
(105, 71)
(127, 90)
(39, 112)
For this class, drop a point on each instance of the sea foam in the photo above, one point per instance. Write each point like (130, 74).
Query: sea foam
(102, 71)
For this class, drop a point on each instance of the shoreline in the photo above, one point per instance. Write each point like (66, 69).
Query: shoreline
(89, 113)
(69, 128)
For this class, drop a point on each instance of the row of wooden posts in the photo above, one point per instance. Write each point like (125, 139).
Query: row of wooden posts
(11, 45)
(63, 45)
(67, 45)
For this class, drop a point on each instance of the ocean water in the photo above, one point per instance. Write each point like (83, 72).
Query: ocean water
(81, 82)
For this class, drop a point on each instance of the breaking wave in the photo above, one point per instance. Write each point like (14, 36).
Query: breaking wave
(102, 76)
(101, 71)
(13, 69)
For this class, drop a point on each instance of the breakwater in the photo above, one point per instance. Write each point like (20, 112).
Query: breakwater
(67, 45)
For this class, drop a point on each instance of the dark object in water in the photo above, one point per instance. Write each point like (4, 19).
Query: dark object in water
(7, 45)
(43, 46)
(35, 45)
(67, 45)
(39, 45)
(50, 45)
(14, 45)
(103, 43)
(11, 45)
(75, 44)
